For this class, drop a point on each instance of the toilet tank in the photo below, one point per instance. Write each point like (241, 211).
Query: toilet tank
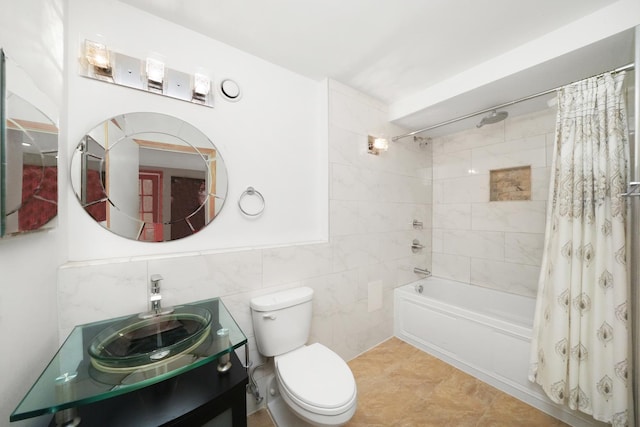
(281, 321)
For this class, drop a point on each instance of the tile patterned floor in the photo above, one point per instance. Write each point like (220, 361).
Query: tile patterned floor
(401, 386)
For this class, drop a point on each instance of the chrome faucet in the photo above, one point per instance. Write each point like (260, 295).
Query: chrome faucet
(155, 299)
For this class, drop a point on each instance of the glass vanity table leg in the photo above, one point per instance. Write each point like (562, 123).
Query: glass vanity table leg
(65, 392)
(224, 363)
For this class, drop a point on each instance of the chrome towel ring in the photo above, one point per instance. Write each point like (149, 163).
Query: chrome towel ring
(250, 191)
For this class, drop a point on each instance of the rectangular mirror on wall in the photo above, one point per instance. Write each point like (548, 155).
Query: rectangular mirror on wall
(29, 156)
(2, 138)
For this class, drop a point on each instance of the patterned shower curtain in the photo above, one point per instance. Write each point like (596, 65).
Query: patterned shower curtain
(581, 341)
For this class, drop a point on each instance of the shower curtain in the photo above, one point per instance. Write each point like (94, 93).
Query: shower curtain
(581, 342)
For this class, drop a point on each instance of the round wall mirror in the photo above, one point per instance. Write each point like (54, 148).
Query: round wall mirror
(149, 177)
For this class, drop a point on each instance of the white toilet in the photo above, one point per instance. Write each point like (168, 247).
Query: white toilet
(314, 382)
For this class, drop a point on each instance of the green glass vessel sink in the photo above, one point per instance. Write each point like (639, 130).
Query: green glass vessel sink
(145, 340)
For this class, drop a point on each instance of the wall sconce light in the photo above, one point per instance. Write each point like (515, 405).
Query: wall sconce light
(155, 74)
(201, 87)
(377, 144)
(97, 55)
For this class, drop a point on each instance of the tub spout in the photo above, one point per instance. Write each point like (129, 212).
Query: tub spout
(422, 271)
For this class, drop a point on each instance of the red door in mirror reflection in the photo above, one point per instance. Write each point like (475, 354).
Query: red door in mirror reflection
(150, 190)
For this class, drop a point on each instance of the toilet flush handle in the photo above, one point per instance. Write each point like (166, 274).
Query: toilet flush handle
(269, 316)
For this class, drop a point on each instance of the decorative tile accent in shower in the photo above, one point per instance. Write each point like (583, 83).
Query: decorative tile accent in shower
(510, 184)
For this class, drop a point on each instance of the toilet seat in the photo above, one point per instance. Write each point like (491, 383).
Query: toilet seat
(317, 380)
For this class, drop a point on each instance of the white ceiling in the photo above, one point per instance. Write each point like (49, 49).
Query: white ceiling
(389, 49)
(605, 55)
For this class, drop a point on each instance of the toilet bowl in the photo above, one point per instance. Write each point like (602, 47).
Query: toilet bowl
(316, 385)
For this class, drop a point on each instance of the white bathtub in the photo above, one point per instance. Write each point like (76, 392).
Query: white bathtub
(481, 331)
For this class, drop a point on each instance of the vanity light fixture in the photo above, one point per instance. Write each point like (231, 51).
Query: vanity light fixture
(155, 74)
(148, 75)
(97, 55)
(201, 87)
(377, 144)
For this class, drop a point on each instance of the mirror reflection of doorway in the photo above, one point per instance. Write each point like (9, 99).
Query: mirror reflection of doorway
(150, 190)
(187, 198)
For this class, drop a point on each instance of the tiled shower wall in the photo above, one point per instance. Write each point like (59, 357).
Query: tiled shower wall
(493, 244)
(373, 202)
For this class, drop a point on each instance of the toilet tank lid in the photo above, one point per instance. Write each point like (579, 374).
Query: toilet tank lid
(283, 299)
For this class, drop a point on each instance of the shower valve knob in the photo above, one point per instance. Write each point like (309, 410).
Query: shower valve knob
(416, 246)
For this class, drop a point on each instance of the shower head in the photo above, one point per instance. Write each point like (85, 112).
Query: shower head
(493, 117)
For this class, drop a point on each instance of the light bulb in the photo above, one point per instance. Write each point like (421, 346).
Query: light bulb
(381, 144)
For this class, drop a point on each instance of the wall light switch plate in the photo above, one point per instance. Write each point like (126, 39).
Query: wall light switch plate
(374, 296)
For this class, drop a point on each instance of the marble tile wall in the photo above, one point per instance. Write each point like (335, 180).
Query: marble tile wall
(373, 202)
(492, 244)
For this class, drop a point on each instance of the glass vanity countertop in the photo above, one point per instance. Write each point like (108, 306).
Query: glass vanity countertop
(71, 379)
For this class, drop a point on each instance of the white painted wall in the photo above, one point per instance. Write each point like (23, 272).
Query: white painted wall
(272, 139)
(28, 264)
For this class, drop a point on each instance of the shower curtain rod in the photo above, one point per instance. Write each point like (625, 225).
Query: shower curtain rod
(506, 104)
